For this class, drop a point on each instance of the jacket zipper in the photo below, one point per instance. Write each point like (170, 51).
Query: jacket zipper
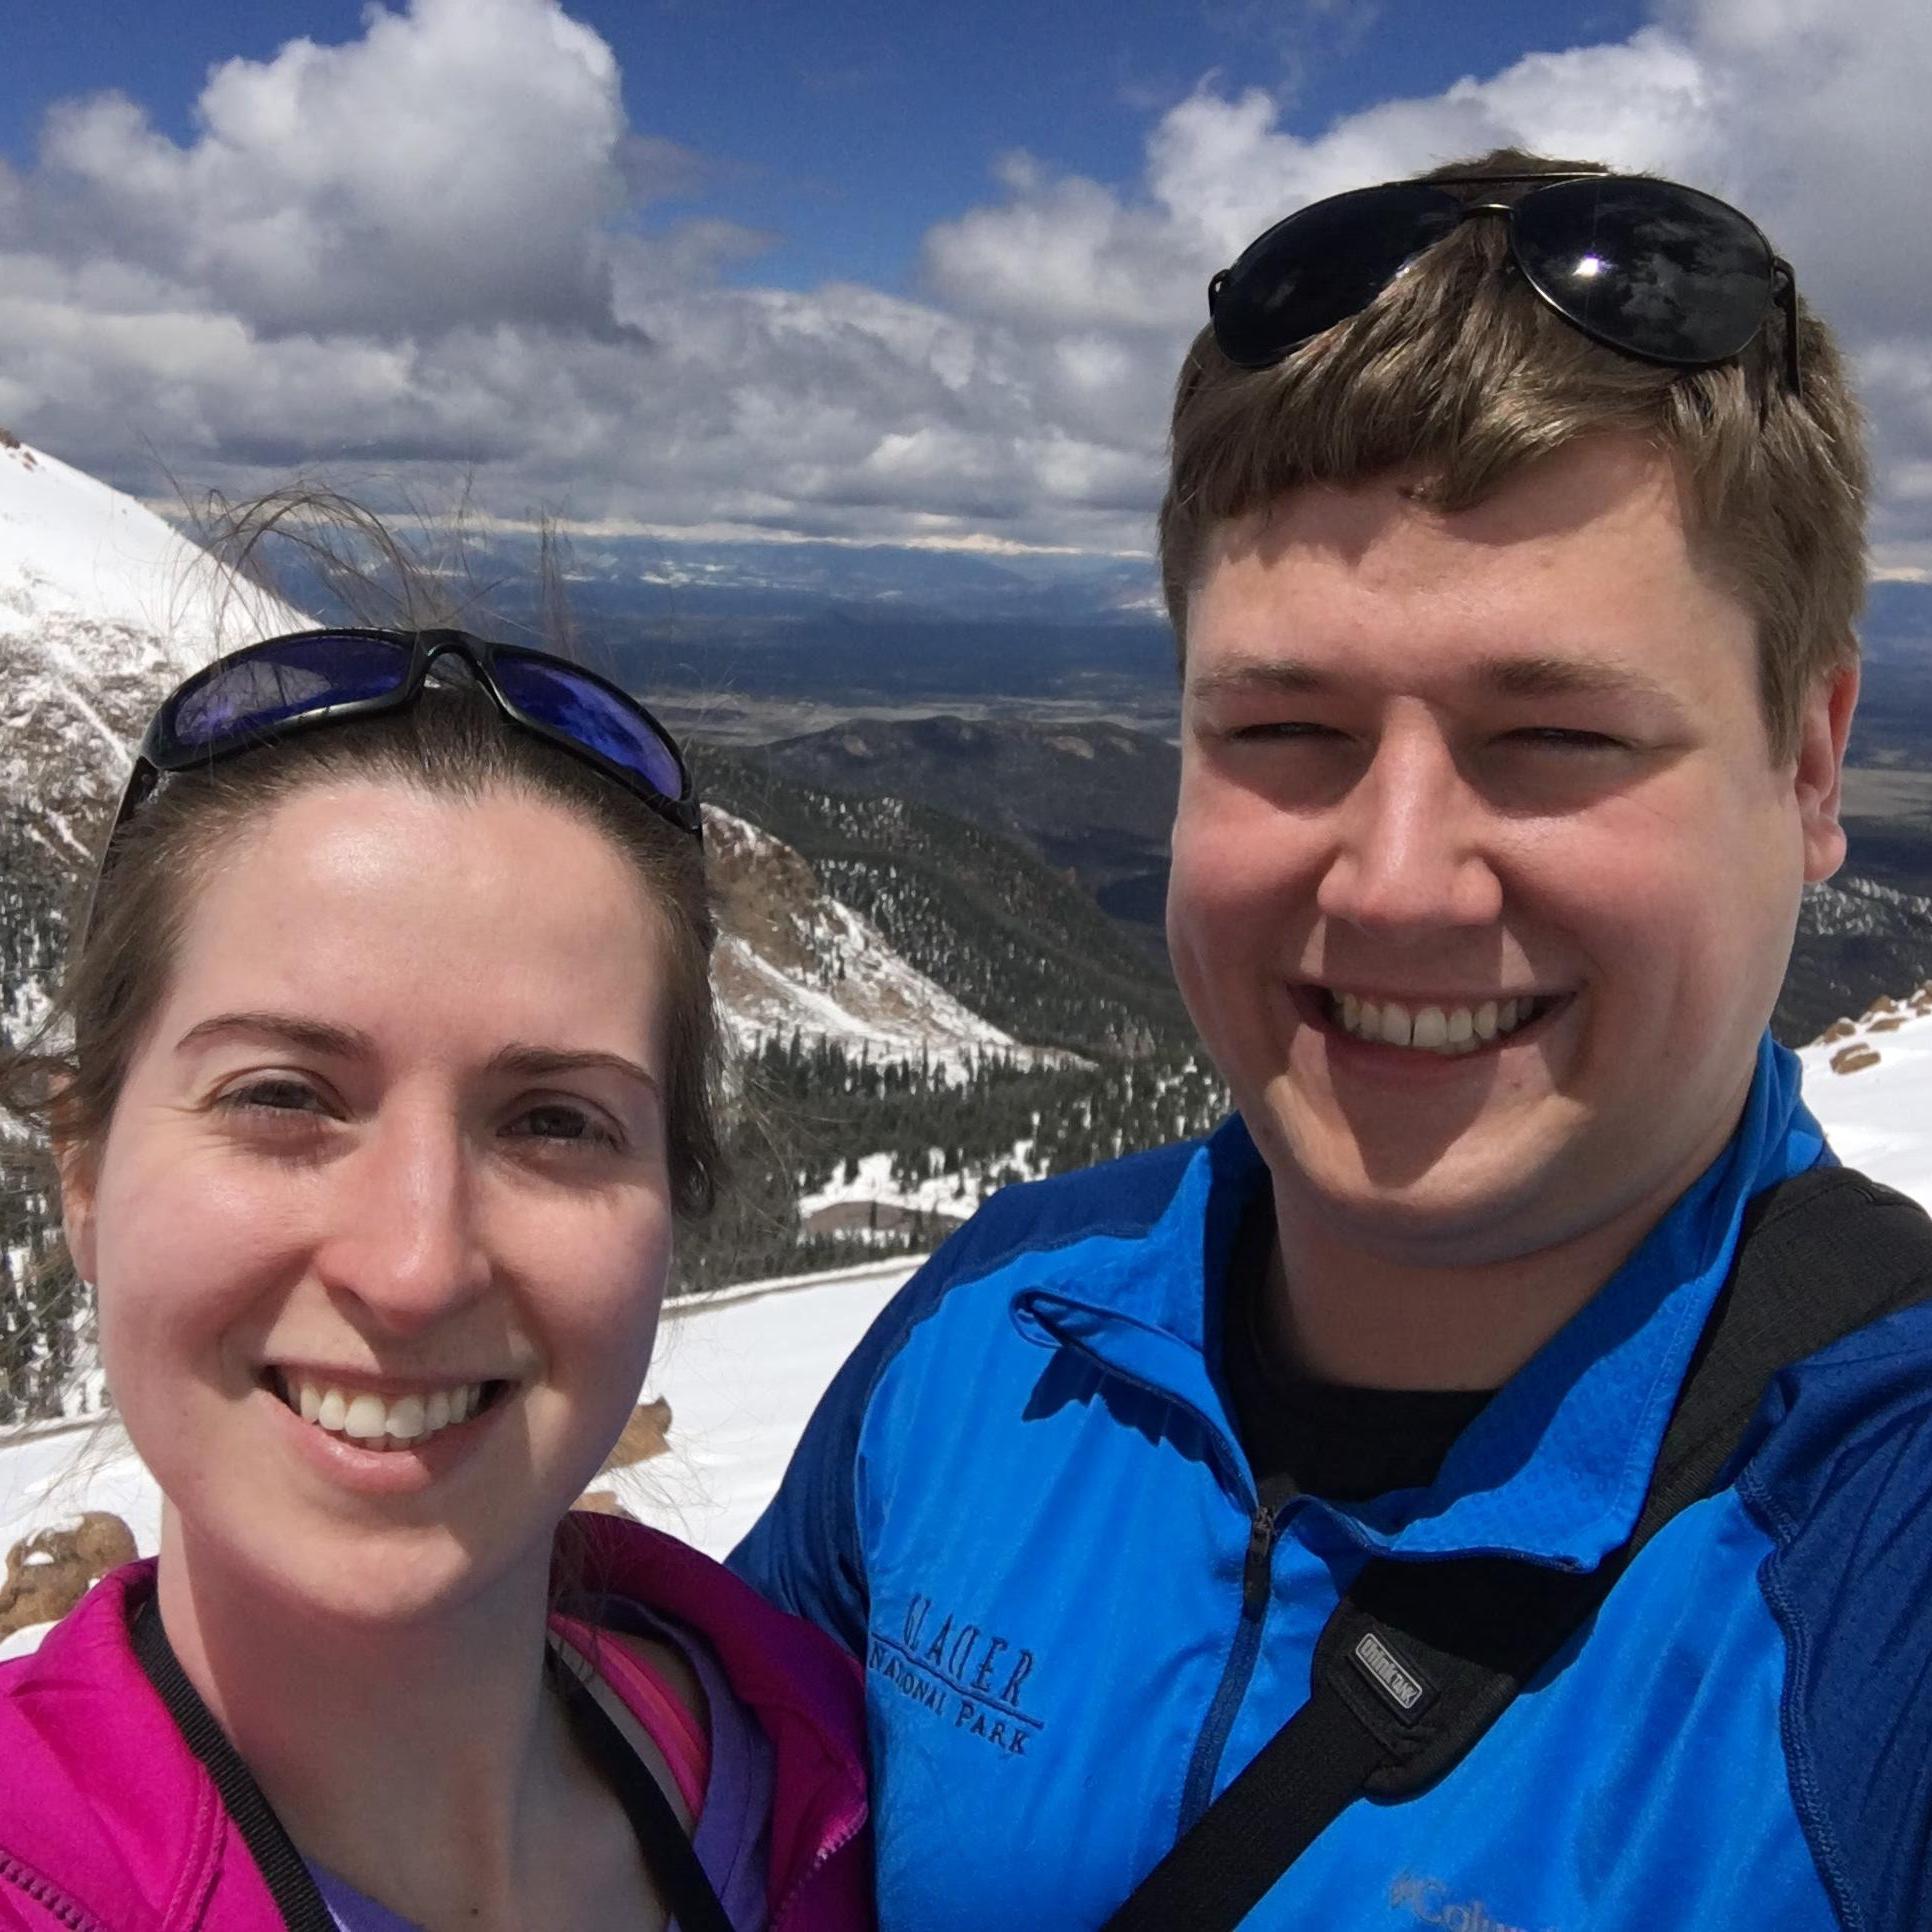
(820, 1859)
(1257, 1574)
(47, 1896)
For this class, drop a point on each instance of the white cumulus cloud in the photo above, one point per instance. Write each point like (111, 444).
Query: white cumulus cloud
(439, 252)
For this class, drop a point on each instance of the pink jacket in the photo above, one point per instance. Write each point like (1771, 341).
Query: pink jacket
(108, 1823)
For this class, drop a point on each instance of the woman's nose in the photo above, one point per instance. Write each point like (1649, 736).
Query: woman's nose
(408, 1239)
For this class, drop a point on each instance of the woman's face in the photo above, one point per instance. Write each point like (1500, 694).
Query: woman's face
(392, 1152)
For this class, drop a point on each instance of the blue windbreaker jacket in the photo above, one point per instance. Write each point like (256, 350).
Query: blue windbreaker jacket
(1024, 1505)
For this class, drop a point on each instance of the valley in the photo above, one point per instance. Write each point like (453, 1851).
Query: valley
(939, 840)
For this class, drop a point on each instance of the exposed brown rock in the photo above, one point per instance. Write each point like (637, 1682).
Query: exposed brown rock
(767, 894)
(603, 1502)
(1853, 1059)
(1837, 1030)
(1889, 1024)
(49, 1572)
(644, 1435)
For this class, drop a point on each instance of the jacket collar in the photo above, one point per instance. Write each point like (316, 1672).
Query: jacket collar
(1556, 1467)
(127, 1824)
(130, 1823)
(807, 1694)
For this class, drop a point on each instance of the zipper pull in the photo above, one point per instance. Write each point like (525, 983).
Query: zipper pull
(1257, 1572)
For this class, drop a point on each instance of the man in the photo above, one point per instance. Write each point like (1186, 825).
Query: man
(1513, 542)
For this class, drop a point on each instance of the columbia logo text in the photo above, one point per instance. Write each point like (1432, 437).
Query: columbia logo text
(1430, 1902)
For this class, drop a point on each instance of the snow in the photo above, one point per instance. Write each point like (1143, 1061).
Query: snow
(800, 961)
(884, 1007)
(1879, 1117)
(742, 1371)
(956, 1194)
(73, 548)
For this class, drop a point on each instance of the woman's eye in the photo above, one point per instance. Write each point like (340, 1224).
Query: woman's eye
(271, 1097)
(558, 1121)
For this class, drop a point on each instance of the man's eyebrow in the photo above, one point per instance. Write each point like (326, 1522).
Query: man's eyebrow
(1287, 675)
(312, 1036)
(1567, 677)
(532, 1062)
(1510, 677)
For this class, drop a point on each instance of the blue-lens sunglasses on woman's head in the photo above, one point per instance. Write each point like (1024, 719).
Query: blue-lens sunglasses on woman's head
(302, 682)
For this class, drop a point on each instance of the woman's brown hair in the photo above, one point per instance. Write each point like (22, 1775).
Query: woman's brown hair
(63, 1083)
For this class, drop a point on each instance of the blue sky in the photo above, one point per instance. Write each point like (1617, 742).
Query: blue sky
(845, 130)
(867, 273)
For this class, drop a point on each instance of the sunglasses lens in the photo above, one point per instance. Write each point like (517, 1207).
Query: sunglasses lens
(587, 714)
(252, 692)
(1324, 264)
(1647, 266)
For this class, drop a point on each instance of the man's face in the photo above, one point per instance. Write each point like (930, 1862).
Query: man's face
(1484, 876)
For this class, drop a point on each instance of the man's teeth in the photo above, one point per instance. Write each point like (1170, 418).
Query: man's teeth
(377, 1421)
(1447, 1030)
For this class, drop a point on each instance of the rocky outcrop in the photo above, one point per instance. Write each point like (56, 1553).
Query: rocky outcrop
(48, 1573)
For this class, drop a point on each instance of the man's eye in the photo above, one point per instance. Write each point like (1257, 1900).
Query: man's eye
(1564, 738)
(1278, 729)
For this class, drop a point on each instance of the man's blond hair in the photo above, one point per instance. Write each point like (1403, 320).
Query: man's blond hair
(1458, 374)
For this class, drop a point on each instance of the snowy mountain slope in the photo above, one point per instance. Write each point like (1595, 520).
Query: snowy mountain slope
(791, 958)
(102, 606)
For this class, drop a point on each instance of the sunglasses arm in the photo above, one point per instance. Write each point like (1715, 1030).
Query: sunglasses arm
(1787, 300)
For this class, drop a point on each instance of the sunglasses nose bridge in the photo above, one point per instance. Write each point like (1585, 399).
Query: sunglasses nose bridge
(472, 652)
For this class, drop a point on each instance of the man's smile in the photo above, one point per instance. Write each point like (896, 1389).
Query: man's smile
(1450, 1025)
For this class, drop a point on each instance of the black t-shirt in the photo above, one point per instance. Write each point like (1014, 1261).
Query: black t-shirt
(1323, 1438)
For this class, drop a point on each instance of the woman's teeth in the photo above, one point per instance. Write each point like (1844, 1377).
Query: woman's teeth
(1446, 1030)
(381, 1422)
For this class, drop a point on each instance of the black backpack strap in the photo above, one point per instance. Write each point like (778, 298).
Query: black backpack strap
(282, 1867)
(685, 1890)
(1420, 1658)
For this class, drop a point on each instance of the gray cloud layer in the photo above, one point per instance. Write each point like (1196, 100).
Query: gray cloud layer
(420, 254)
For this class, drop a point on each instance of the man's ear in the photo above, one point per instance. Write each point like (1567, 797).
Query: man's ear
(1824, 725)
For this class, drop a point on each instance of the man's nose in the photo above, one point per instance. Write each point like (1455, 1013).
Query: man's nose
(408, 1243)
(1412, 849)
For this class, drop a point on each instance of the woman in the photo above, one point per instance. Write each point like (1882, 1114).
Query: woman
(391, 1033)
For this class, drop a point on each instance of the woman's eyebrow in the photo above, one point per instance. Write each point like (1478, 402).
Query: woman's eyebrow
(322, 1036)
(534, 1061)
(291, 1029)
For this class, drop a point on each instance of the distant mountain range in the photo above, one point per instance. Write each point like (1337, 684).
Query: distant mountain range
(1096, 801)
(941, 933)
(103, 606)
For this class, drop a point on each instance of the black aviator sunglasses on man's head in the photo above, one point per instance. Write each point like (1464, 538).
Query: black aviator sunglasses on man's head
(1653, 269)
